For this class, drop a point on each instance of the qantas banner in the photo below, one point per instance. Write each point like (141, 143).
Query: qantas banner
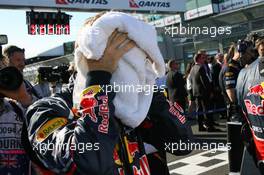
(97, 5)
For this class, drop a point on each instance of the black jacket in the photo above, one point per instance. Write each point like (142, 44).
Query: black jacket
(228, 77)
(110, 148)
(215, 75)
(176, 86)
(201, 86)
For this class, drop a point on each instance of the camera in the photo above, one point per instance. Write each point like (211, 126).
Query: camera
(58, 74)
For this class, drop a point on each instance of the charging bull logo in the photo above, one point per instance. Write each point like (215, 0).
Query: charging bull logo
(88, 104)
(116, 157)
(257, 90)
(131, 149)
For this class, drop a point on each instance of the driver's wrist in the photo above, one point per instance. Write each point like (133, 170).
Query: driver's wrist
(98, 77)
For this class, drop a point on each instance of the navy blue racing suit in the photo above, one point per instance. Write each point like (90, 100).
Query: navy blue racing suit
(250, 94)
(91, 140)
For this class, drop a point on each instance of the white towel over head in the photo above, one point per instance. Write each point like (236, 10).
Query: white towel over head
(135, 76)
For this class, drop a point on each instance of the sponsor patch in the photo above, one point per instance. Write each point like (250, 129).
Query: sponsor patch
(116, 156)
(254, 109)
(89, 103)
(229, 82)
(50, 126)
(143, 168)
(104, 113)
(178, 107)
(232, 65)
(91, 91)
(70, 2)
(176, 110)
(256, 90)
(151, 3)
(229, 74)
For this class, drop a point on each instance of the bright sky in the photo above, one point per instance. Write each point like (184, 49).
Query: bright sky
(13, 24)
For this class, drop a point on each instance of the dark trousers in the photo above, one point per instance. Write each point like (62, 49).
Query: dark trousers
(202, 106)
(182, 103)
(219, 102)
(158, 163)
(235, 154)
(261, 168)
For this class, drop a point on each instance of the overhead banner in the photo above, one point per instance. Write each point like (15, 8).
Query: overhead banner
(169, 20)
(255, 1)
(225, 5)
(82, 5)
(201, 11)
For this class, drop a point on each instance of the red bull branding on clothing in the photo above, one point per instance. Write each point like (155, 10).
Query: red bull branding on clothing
(257, 90)
(254, 109)
(132, 151)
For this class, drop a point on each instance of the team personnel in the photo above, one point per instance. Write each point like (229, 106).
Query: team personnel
(176, 84)
(15, 56)
(250, 93)
(202, 92)
(218, 99)
(260, 48)
(243, 54)
(228, 79)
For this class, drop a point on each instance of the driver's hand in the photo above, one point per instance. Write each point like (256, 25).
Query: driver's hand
(118, 44)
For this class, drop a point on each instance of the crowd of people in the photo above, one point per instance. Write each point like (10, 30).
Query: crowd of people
(213, 85)
(87, 132)
(208, 85)
(198, 90)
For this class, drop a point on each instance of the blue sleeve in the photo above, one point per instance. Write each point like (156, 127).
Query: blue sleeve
(84, 139)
